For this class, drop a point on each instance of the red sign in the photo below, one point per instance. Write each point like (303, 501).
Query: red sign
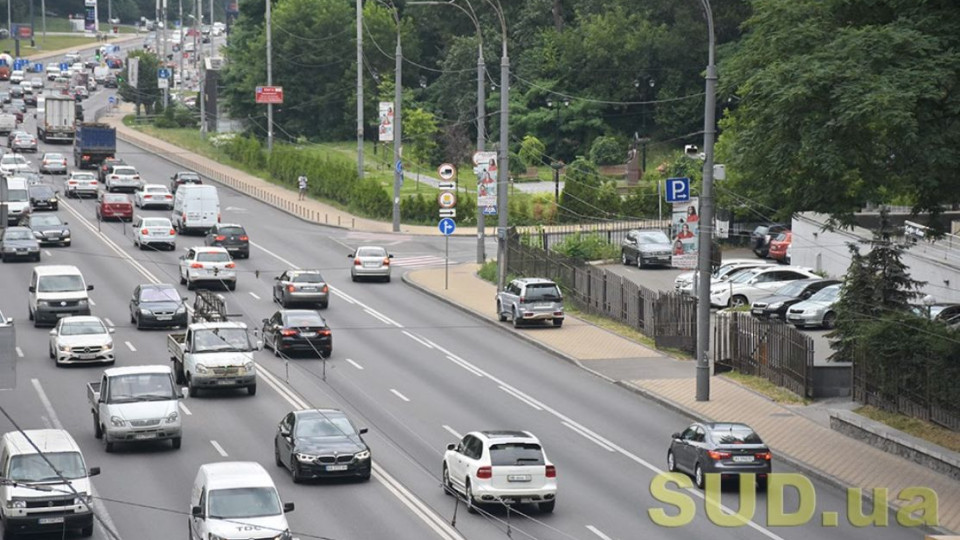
(24, 32)
(270, 94)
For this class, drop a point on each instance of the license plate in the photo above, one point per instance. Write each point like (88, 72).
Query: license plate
(371, 265)
(59, 315)
(308, 289)
(89, 356)
(164, 317)
(141, 436)
(336, 467)
(518, 478)
(757, 311)
(308, 334)
(22, 251)
(51, 520)
(543, 306)
(225, 382)
(743, 459)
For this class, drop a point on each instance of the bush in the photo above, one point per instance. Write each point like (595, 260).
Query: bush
(532, 151)
(607, 150)
(591, 247)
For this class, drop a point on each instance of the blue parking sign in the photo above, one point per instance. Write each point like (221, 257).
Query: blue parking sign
(678, 190)
(64, 66)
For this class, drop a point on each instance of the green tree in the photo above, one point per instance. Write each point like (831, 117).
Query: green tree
(606, 150)
(420, 129)
(532, 151)
(578, 200)
(146, 93)
(844, 102)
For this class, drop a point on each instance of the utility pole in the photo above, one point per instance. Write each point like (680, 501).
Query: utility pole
(156, 31)
(705, 247)
(110, 13)
(481, 144)
(212, 49)
(502, 161)
(197, 45)
(33, 41)
(269, 80)
(183, 43)
(397, 132)
(360, 89)
(166, 91)
(43, 22)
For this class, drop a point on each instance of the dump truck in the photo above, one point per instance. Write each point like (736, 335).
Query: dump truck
(93, 143)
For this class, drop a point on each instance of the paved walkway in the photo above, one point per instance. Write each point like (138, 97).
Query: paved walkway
(794, 437)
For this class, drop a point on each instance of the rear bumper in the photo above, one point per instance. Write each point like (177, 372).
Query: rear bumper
(306, 298)
(490, 494)
(160, 432)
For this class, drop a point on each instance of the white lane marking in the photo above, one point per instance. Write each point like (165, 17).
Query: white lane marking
(465, 366)
(100, 510)
(130, 346)
(522, 397)
(379, 316)
(597, 532)
(418, 340)
(619, 449)
(92, 303)
(587, 436)
(19, 352)
(421, 510)
(108, 321)
(47, 253)
(253, 294)
(354, 364)
(452, 431)
(219, 448)
(184, 408)
(399, 395)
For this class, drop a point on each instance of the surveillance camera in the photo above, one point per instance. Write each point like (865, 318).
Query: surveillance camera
(691, 150)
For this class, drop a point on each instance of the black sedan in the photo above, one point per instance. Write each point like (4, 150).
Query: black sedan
(48, 229)
(727, 449)
(43, 197)
(775, 306)
(157, 306)
(644, 247)
(19, 243)
(321, 443)
(298, 330)
(231, 237)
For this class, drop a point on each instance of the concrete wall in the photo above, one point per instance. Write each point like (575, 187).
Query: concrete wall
(827, 251)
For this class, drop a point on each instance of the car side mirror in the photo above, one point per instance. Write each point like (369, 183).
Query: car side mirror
(53, 332)
(284, 432)
(675, 436)
(10, 320)
(111, 330)
(390, 256)
(89, 287)
(350, 256)
(259, 344)
(94, 471)
(66, 222)
(288, 507)
(452, 447)
(362, 430)
(277, 278)
(265, 321)
(32, 288)
(196, 512)
(183, 392)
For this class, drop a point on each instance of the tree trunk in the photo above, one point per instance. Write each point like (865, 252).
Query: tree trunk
(558, 14)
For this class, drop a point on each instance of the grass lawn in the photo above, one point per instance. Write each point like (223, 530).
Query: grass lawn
(915, 427)
(767, 388)
(56, 24)
(51, 43)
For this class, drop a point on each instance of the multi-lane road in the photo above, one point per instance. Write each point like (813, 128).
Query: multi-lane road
(415, 371)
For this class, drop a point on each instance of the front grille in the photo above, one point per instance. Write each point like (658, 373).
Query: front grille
(145, 423)
(88, 350)
(759, 305)
(58, 502)
(226, 371)
(330, 460)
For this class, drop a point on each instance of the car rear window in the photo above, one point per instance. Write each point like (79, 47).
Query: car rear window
(516, 454)
(736, 435)
(213, 257)
(536, 293)
(232, 230)
(371, 252)
(305, 320)
(116, 198)
(308, 278)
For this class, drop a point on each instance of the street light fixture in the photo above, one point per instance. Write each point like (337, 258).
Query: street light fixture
(556, 164)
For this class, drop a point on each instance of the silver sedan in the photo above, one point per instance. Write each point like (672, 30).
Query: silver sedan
(301, 287)
(370, 262)
(53, 163)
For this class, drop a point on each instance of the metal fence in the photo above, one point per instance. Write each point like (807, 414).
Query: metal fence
(669, 318)
(546, 237)
(770, 349)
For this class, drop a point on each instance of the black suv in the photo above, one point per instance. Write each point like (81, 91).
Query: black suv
(231, 237)
(184, 177)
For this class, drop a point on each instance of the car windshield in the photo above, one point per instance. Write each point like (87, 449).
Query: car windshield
(17, 195)
(240, 503)
(45, 221)
(305, 319)
(313, 277)
(794, 288)
(743, 277)
(652, 237)
(65, 283)
(41, 192)
(152, 294)
(324, 426)
(115, 198)
(17, 235)
(157, 222)
(726, 270)
(736, 435)
(15, 159)
(780, 237)
(516, 453)
(82, 328)
(37, 467)
(760, 230)
(213, 256)
(827, 294)
(221, 339)
(371, 252)
(141, 387)
(540, 293)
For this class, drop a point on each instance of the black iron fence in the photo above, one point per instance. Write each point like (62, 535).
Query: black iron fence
(668, 318)
(770, 349)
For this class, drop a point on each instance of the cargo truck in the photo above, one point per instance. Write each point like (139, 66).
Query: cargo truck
(93, 143)
(57, 120)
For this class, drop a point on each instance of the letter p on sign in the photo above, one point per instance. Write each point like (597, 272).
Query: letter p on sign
(678, 190)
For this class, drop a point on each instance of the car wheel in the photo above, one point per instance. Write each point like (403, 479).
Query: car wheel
(232, 285)
(252, 390)
(501, 316)
(558, 323)
(471, 504)
(447, 485)
(37, 258)
(108, 446)
(132, 318)
(97, 430)
(762, 483)
(139, 323)
(295, 473)
(829, 320)
(516, 319)
(624, 259)
(190, 285)
(547, 507)
(276, 454)
(671, 462)
(50, 351)
(698, 476)
(325, 305)
(176, 442)
(738, 301)
(192, 390)
(639, 261)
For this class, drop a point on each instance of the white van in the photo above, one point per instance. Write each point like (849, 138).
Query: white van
(235, 500)
(57, 291)
(196, 208)
(18, 199)
(34, 498)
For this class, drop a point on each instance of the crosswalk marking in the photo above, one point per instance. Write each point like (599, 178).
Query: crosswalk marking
(421, 261)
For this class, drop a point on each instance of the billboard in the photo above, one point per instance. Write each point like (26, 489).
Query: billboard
(269, 94)
(486, 169)
(386, 121)
(90, 16)
(133, 71)
(686, 228)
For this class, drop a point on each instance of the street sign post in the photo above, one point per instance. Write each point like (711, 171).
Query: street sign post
(448, 212)
(447, 200)
(163, 73)
(163, 84)
(269, 95)
(446, 171)
(678, 190)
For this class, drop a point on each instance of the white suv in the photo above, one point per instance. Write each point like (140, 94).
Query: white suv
(123, 177)
(530, 300)
(500, 467)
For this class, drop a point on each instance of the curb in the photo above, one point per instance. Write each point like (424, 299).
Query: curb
(803, 467)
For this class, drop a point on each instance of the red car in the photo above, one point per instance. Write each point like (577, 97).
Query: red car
(779, 245)
(115, 206)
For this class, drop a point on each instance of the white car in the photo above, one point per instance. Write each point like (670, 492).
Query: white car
(11, 164)
(153, 231)
(749, 285)
(79, 183)
(153, 195)
(123, 177)
(81, 339)
(685, 282)
(16, 77)
(207, 264)
(500, 467)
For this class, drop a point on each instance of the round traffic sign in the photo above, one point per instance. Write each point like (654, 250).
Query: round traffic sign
(447, 199)
(446, 171)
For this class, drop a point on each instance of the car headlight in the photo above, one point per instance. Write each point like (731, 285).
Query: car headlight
(215, 537)
(306, 458)
(775, 305)
(65, 232)
(117, 421)
(285, 535)
(108, 346)
(17, 504)
(182, 309)
(65, 348)
(364, 454)
(172, 417)
(248, 366)
(145, 311)
(202, 369)
(38, 234)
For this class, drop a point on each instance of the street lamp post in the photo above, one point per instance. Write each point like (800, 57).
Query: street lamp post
(269, 76)
(706, 216)
(556, 164)
(397, 129)
(503, 158)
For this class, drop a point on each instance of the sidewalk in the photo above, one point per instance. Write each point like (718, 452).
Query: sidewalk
(93, 45)
(793, 437)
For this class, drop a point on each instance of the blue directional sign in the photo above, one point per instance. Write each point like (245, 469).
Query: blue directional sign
(163, 73)
(399, 166)
(678, 190)
(112, 100)
(447, 226)
(38, 68)
(64, 66)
